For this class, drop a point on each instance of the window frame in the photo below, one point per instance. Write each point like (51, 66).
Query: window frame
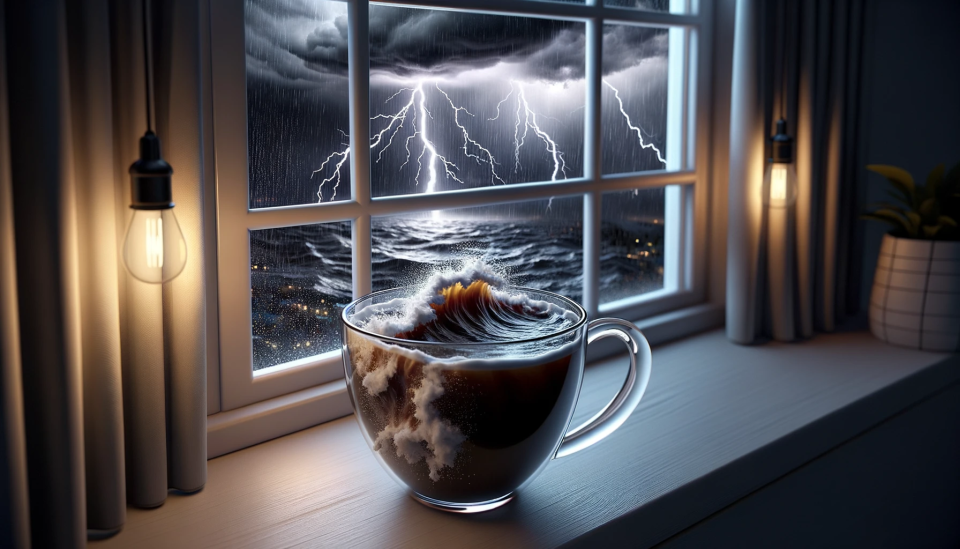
(687, 192)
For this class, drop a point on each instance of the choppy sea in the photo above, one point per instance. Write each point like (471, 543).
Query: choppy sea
(301, 276)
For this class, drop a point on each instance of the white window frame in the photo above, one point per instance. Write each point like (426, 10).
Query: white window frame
(686, 179)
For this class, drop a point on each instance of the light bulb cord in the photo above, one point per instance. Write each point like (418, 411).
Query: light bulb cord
(147, 66)
(782, 11)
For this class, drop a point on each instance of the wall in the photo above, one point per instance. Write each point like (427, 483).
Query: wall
(910, 100)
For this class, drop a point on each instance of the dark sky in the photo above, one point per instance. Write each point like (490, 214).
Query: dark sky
(298, 97)
(301, 41)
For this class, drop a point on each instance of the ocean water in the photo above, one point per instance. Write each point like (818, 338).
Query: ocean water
(301, 276)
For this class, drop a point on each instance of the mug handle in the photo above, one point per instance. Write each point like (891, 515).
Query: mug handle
(619, 409)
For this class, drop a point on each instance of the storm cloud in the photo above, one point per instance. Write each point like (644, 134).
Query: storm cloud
(301, 41)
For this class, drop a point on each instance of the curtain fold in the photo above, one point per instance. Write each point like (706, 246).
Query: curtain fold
(92, 138)
(103, 379)
(788, 270)
(40, 175)
(14, 516)
(179, 125)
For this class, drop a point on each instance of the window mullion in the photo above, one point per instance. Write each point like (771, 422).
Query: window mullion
(592, 169)
(358, 52)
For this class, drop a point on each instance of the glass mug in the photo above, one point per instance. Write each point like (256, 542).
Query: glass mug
(463, 426)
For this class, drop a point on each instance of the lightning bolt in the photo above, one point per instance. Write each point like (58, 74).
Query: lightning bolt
(527, 118)
(643, 145)
(413, 114)
(467, 140)
(335, 177)
(559, 165)
(428, 146)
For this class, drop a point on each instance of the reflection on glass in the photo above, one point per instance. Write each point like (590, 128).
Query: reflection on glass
(462, 100)
(632, 243)
(537, 243)
(301, 280)
(297, 101)
(634, 98)
(671, 6)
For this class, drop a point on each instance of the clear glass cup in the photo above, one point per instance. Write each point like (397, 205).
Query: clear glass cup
(463, 426)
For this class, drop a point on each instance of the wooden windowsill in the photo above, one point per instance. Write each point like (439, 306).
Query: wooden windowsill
(718, 422)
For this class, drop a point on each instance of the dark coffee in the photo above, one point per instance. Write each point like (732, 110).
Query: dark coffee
(466, 429)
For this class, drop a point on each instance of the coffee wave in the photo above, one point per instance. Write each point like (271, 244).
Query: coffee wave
(410, 394)
(471, 305)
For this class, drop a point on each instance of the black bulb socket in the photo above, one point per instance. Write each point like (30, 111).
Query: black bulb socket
(150, 177)
(781, 145)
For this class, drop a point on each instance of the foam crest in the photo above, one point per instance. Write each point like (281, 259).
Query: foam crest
(469, 305)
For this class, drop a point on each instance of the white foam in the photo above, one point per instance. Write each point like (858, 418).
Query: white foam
(404, 314)
(431, 438)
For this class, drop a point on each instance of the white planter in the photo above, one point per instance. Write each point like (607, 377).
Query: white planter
(915, 300)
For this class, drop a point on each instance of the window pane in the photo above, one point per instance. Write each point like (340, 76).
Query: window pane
(538, 244)
(297, 101)
(634, 98)
(463, 100)
(301, 279)
(671, 6)
(632, 243)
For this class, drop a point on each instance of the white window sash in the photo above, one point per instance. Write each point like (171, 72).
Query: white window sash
(686, 194)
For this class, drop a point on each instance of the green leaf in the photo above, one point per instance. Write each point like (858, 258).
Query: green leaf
(892, 218)
(928, 208)
(931, 231)
(896, 195)
(900, 179)
(915, 222)
(886, 206)
(947, 220)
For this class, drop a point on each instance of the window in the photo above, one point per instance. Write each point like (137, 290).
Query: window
(359, 144)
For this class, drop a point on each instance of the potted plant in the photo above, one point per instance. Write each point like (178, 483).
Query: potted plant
(915, 300)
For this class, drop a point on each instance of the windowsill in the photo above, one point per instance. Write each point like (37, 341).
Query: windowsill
(718, 422)
(262, 421)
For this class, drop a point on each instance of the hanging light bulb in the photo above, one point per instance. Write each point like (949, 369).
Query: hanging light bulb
(154, 249)
(780, 179)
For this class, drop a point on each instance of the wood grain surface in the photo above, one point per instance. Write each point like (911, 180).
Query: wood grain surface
(718, 421)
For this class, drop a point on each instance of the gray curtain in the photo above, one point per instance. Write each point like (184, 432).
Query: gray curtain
(103, 379)
(789, 272)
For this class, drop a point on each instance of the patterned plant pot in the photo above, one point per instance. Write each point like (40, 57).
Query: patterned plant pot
(916, 294)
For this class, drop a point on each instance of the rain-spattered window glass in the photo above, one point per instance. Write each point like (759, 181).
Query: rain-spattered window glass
(632, 247)
(297, 101)
(671, 6)
(462, 100)
(538, 243)
(634, 98)
(301, 280)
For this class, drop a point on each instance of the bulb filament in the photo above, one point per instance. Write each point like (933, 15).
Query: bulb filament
(154, 243)
(778, 182)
